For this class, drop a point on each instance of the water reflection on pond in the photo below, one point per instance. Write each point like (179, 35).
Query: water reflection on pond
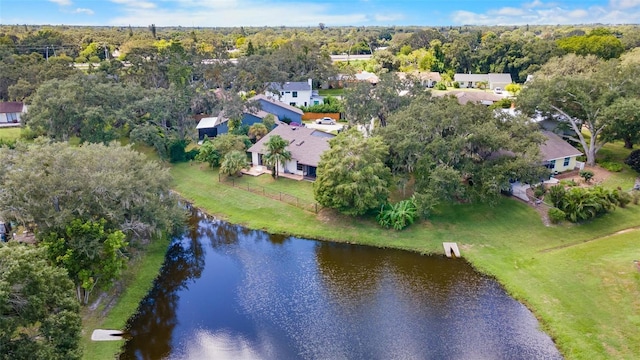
(227, 292)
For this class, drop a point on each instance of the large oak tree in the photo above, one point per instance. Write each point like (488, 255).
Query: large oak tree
(352, 176)
(39, 316)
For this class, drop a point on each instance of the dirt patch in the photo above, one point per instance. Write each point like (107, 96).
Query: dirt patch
(599, 175)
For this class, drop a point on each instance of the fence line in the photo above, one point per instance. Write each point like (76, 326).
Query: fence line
(271, 194)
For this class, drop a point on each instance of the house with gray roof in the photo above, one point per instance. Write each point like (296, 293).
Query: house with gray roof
(294, 93)
(305, 144)
(557, 154)
(278, 108)
(494, 80)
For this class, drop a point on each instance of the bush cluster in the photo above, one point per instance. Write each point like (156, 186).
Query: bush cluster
(611, 166)
(580, 204)
(556, 215)
(399, 215)
(633, 160)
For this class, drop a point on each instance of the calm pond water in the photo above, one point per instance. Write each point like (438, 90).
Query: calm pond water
(226, 292)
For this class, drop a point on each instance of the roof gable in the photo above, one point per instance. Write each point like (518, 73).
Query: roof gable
(11, 107)
(556, 148)
(277, 103)
(290, 86)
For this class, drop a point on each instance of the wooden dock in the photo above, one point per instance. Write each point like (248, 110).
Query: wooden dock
(451, 249)
(106, 335)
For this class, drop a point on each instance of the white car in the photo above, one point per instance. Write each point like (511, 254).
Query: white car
(497, 90)
(326, 121)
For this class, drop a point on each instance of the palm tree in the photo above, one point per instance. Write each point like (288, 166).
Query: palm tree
(277, 153)
(257, 131)
(233, 163)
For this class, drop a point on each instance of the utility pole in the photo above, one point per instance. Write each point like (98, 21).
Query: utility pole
(47, 56)
(106, 53)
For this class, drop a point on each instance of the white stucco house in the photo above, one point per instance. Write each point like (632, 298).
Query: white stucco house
(294, 93)
(494, 80)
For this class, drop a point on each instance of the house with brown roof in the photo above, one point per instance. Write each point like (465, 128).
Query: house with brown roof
(11, 111)
(557, 154)
(305, 144)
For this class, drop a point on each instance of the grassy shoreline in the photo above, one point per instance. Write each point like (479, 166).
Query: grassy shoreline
(138, 279)
(508, 242)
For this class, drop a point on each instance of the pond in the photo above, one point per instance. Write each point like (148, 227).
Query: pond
(227, 292)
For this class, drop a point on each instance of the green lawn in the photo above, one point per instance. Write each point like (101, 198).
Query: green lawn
(615, 152)
(563, 287)
(10, 133)
(138, 279)
(331, 92)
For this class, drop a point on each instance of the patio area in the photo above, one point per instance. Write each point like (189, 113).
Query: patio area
(259, 170)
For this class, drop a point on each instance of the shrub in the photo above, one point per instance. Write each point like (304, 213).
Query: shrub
(623, 198)
(399, 215)
(191, 154)
(635, 196)
(28, 133)
(456, 85)
(569, 183)
(176, 151)
(539, 191)
(555, 195)
(633, 160)
(587, 175)
(9, 143)
(611, 166)
(556, 215)
(440, 86)
(580, 204)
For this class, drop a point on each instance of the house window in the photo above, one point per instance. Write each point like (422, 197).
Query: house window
(566, 161)
(282, 93)
(300, 167)
(552, 164)
(292, 103)
(12, 117)
(295, 94)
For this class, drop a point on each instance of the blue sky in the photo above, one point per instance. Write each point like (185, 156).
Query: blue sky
(210, 13)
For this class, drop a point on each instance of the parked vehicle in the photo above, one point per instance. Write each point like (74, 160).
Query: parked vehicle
(497, 90)
(326, 121)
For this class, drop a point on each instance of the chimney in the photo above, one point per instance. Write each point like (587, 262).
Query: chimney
(310, 81)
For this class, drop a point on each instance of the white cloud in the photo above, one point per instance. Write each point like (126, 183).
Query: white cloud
(83, 11)
(227, 13)
(62, 2)
(508, 11)
(624, 4)
(538, 12)
(139, 4)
